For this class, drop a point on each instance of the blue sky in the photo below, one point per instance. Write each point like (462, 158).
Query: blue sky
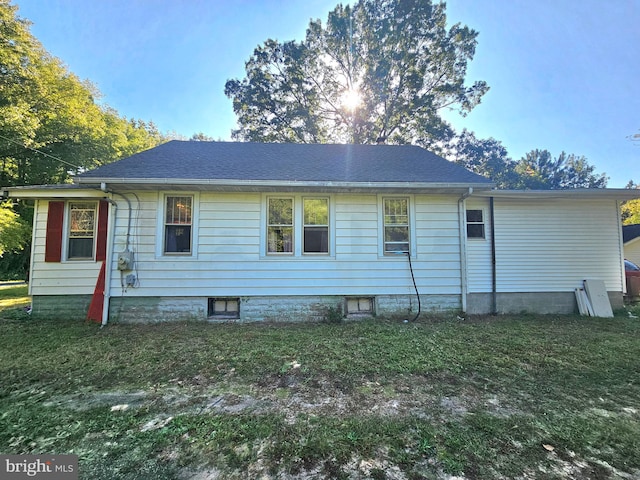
(564, 74)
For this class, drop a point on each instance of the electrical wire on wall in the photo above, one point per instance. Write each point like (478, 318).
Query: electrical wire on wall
(415, 286)
(127, 257)
(136, 224)
(131, 279)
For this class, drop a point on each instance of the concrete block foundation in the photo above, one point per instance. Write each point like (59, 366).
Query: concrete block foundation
(531, 302)
(60, 306)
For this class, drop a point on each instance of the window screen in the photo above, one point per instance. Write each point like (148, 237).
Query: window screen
(396, 225)
(280, 225)
(178, 223)
(82, 225)
(316, 225)
(475, 224)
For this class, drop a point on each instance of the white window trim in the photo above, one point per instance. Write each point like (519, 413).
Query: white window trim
(298, 227)
(484, 223)
(265, 223)
(412, 227)
(195, 222)
(302, 225)
(66, 226)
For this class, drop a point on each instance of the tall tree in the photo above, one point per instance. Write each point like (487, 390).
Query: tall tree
(13, 231)
(50, 123)
(539, 170)
(47, 113)
(377, 69)
(630, 209)
(486, 157)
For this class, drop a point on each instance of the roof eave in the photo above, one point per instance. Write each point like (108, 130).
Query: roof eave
(52, 191)
(275, 185)
(575, 193)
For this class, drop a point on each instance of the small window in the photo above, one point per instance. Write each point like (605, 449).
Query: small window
(316, 225)
(396, 225)
(475, 224)
(280, 225)
(178, 223)
(360, 306)
(224, 307)
(82, 227)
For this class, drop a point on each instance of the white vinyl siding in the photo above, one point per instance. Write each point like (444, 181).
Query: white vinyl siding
(479, 276)
(436, 261)
(231, 260)
(57, 278)
(632, 250)
(549, 246)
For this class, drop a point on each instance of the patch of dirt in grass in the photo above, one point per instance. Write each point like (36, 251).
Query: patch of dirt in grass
(407, 396)
(117, 400)
(295, 396)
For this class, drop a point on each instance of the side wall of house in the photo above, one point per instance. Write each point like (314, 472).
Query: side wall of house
(229, 260)
(544, 250)
(632, 250)
(58, 288)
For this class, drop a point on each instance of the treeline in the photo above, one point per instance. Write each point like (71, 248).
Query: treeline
(51, 124)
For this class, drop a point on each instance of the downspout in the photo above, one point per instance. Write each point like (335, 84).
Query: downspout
(494, 278)
(113, 210)
(464, 287)
(623, 277)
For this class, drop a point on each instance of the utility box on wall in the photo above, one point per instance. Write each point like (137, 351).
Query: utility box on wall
(125, 260)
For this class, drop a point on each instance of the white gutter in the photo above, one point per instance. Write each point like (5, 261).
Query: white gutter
(623, 276)
(32, 254)
(464, 284)
(569, 193)
(113, 210)
(234, 183)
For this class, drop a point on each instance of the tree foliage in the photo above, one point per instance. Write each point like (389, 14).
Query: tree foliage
(396, 59)
(46, 113)
(14, 232)
(50, 125)
(486, 157)
(630, 209)
(539, 170)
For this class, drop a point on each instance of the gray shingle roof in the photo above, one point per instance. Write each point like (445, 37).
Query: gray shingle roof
(287, 162)
(629, 232)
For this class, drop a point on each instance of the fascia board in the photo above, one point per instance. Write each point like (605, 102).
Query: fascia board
(582, 193)
(281, 184)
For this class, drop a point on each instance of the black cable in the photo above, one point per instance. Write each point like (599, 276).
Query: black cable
(414, 286)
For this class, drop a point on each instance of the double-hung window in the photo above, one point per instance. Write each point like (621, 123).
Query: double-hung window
(280, 225)
(178, 224)
(298, 225)
(475, 224)
(82, 230)
(316, 225)
(396, 225)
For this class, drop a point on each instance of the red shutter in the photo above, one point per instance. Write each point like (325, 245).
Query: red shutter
(101, 240)
(53, 243)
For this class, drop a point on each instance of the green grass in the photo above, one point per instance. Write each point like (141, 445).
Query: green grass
(478, 398)
(13, 297)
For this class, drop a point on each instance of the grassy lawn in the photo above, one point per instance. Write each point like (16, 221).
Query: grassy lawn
(509, 397)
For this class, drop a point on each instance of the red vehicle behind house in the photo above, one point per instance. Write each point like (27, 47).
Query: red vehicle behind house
(632, 275)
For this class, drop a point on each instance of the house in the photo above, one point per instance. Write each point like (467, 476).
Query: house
(631, 239)
(251, 232)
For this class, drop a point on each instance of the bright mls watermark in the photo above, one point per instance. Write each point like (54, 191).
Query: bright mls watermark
(49, 467)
